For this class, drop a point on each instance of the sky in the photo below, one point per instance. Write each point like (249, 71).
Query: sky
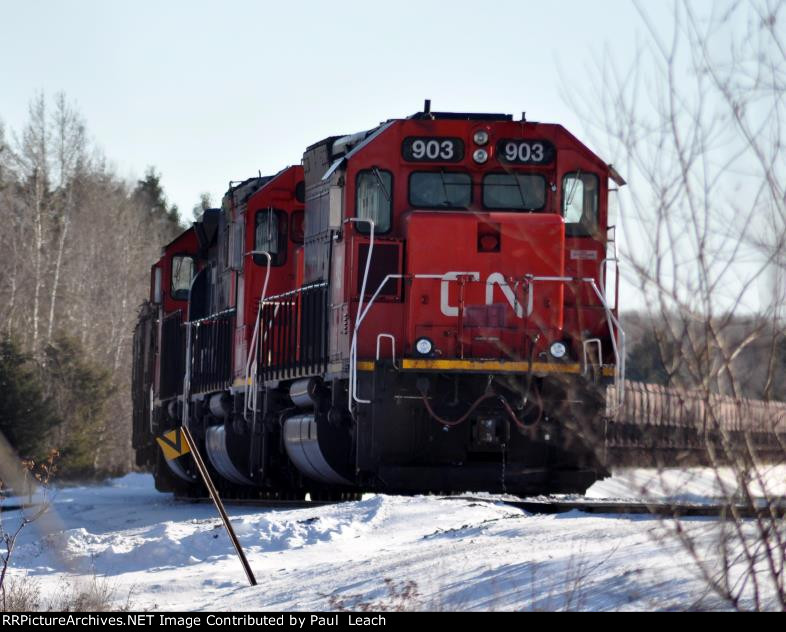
(209, 92)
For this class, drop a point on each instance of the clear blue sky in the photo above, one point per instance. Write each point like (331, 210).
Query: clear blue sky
(212, 91)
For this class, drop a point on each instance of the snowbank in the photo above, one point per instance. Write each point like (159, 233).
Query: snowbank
(382, 552)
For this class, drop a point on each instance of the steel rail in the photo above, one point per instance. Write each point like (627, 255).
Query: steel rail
(552, 506)
(264, 503)
(637, 507)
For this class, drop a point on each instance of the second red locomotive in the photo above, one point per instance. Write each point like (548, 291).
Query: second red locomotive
(422, 307)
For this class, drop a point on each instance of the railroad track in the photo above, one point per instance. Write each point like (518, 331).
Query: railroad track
(533, 506)
(558, 506)
(263, 503)
(625, 507)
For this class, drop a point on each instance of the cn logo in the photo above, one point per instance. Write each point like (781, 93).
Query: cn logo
(495, 279)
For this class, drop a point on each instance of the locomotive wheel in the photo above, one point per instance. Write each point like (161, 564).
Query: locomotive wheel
(283, 494)
(333, 495)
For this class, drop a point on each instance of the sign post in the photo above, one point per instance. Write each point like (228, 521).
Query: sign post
(219, 505)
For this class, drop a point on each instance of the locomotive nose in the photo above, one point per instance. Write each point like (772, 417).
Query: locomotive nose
(479, 290)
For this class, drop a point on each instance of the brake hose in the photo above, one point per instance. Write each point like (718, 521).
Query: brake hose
(460, 420)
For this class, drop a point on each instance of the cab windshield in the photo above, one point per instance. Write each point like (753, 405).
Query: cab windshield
(514, 191)
(440, 189)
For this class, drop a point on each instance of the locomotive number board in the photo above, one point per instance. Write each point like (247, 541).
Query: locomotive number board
(525, 152)
(432, 149)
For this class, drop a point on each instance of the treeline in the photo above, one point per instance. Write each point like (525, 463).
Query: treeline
(76, 242)
(740, 356)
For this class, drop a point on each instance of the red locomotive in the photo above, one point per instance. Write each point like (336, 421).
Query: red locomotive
(421, 307)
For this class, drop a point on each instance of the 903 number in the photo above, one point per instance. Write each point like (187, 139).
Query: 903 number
(525, 152)
(431, 149)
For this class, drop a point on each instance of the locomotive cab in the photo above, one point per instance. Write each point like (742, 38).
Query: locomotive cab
(252, 257)
(159, 347)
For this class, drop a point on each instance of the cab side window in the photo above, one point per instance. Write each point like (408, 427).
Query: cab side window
(580, 200)
(374, 200)
(270, 231)
(182, 274)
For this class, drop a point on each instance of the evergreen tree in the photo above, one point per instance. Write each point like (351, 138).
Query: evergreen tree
(150, 196)
(81, 390)
(204, 203)
(649, 359)
(27, 414)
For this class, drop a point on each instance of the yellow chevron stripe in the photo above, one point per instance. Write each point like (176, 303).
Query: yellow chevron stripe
(172, 445)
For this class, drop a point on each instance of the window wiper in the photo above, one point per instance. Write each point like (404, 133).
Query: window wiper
(378, 176)
(271, 245)
(572, 192)
(444, 188)
(521, 192)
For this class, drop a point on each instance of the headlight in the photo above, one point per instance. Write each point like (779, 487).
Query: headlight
(480, 156)
(424, 346)
(481, 137)
(558, 350)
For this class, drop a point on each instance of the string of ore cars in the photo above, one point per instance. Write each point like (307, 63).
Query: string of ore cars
(427, 306)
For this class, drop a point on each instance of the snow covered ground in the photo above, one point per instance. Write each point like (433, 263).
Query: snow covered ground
(383, 552)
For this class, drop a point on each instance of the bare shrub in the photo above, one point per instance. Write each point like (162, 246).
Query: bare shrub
(21, 595)
(697, 121)
(92, 595)
(42, 473)
(401, 596)
(71, 595)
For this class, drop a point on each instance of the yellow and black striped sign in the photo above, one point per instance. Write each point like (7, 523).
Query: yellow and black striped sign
(173, 445)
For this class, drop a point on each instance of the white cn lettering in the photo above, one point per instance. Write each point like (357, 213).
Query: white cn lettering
(495, 278)
(444, 299)
(510, 295)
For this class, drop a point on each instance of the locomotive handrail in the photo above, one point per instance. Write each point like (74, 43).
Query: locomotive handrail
(187, 373)
(619, 368)
(272, 300)
(358, 320)
(353, 352)
(209, 349)
(612, 321)
(603, 263)
(171, 315)
(250, 402)
(217, 316)
(585, 345)
(611, 236)
(392, 339)
(289, 305)
(172, 344)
